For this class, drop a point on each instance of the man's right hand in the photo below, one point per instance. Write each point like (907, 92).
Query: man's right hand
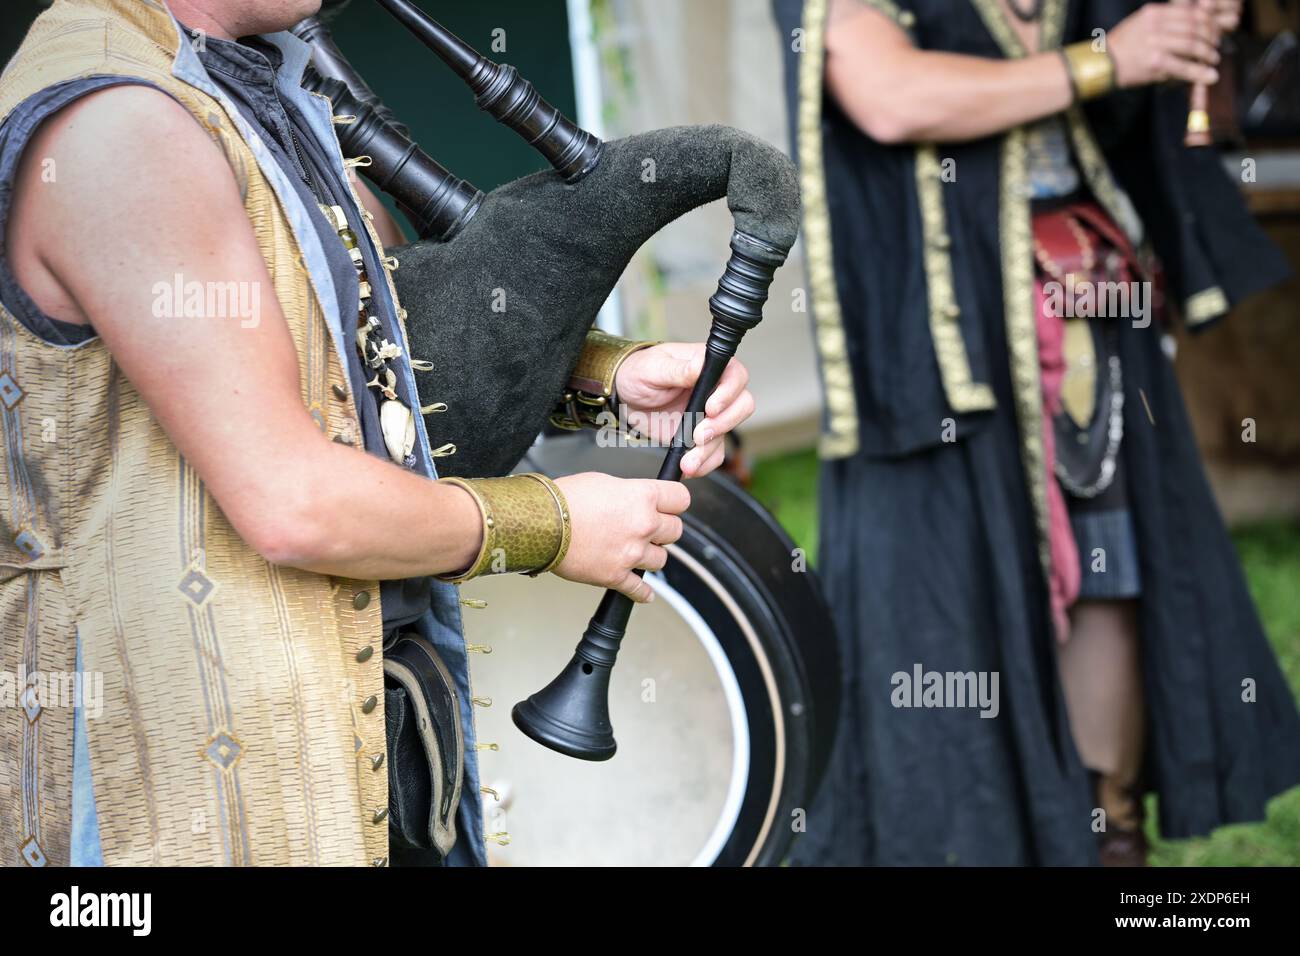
(620, 525)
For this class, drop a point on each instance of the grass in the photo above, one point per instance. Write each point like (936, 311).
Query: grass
(1270, 553)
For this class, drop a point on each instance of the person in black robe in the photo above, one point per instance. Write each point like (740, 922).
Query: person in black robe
(1005, 491)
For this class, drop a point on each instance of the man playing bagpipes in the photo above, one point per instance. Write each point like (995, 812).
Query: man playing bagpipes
(1011, 484)
(219, 492)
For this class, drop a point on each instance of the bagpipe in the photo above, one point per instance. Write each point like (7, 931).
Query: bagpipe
(555, 243)
(550, 246)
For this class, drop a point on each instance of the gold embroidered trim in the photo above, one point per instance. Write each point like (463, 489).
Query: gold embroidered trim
(963, 394)
(1098, 176)
(840, 430)
(1205, 305)
(991, 13)
(1053, 33)
(1016, 226)
(995, 19)
(904, 18)
(1091, 162)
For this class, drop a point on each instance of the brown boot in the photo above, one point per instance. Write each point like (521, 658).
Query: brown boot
(1122, 842)
(1123, 848)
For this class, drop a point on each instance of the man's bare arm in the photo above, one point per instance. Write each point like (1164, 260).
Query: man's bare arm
(123, 215)
(898, 93)
(142, 195)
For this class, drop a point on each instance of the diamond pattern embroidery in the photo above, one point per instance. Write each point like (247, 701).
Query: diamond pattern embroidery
(10, 393)
(31, 703)
(223, 750)
(32, 853)
(196, 586)
(29, 544)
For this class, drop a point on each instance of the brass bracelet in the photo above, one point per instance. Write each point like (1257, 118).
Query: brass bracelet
(577, 410)
(1092, 72)
(589, 400)
(525, 525)
(566, 525)
(598, 364)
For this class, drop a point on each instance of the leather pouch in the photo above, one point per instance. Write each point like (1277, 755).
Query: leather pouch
(426, 746)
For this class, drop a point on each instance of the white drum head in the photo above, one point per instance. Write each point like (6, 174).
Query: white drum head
(671, 795)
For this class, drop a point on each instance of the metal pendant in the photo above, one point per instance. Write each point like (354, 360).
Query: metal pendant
(398, 426)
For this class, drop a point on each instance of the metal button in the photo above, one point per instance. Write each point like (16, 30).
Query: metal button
(365, 654)
(379, 861)
(376, 761)
(340, 392)
(343, 439)
(380, 815)
(361, 601)
(369, 704)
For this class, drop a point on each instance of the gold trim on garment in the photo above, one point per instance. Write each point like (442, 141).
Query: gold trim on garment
(840, 435)
(1015, 223)
(991, 13)
(1205, 305)
(904, 18)
(1016, 227)
(1099, 179)
(1092, 164)
(840, 431)
(963, 394)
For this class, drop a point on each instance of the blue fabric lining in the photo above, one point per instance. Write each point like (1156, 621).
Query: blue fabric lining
(86, 848)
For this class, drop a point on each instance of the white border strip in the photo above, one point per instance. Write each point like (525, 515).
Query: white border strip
(589, 94)
(739, 782)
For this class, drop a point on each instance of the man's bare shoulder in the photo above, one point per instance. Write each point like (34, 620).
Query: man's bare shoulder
(122, 159)
(131, 136)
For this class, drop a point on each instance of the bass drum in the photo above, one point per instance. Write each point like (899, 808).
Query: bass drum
(723, 700)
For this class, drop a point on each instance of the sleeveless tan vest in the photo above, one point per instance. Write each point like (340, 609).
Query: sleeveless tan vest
(241, 719)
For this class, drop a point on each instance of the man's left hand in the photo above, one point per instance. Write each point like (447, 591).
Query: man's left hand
(655, 383)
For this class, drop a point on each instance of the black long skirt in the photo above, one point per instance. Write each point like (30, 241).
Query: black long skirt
(931, 560)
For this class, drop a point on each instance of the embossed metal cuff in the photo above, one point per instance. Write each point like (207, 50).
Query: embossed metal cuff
(526, 525)
(598, 364)
(1092, 72)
